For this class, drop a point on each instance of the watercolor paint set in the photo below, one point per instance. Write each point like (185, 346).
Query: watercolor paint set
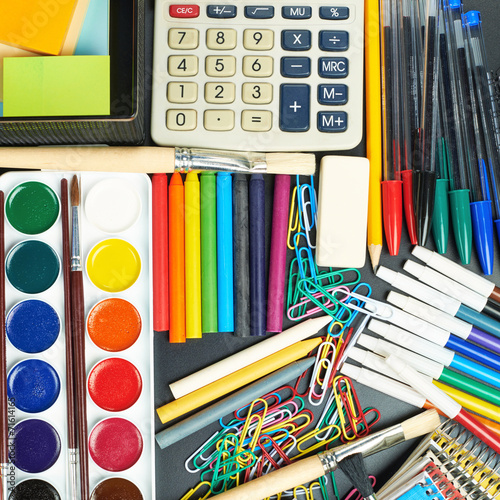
(115, 239)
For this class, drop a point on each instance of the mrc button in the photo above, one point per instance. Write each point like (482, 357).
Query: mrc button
(333, 67)
(177, 10)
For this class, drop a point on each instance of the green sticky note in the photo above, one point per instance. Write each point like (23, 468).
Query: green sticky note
(56, 86)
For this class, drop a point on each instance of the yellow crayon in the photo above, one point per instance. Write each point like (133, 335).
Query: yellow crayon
(193, 256)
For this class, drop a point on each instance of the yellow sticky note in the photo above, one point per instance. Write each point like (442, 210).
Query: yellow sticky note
(57, 86)
(38, 25)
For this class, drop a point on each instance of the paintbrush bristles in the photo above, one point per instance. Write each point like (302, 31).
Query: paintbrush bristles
(421, 424)
(354, 468)
(75, 192)
(288, 163)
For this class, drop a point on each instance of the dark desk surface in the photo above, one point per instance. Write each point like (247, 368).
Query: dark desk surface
(174, 361)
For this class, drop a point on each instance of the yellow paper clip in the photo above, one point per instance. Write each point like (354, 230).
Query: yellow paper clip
(293, 226)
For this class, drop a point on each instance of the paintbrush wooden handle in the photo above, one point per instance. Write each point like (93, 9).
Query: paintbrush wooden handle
(90, 158)
(286, 478)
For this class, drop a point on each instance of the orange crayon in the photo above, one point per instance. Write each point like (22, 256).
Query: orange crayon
(176, 259)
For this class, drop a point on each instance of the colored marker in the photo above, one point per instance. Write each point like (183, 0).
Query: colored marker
(241, 256)
(258, 294)
(446, 285)
(439, 300)
(208, 253)
(405, 393)
(176, 259)
(435, 352)
(458, 273)
(375, 362)
(446, 404)
(241, 398)
(277, 261)
(193, 256)
(225, 291)
(433, 369)
(161, 315)
(460, 330)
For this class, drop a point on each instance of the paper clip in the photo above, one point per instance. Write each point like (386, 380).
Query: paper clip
(319, 443)
(325, 364)
(294, 211)
(300, 261)
(250, 406)
(275, 448)
(192, 491)
(296, 492)
(245, 430)
(199, 453)
(306, 222)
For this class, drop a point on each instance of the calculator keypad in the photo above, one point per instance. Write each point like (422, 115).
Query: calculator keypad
(293, 72)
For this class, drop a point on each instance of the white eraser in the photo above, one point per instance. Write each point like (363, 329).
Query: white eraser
(342, 211)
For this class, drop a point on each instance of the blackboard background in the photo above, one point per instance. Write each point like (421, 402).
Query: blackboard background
(174, 361)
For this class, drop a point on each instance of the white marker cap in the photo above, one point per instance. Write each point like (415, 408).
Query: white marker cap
(424, 386)
(446, 285)
(432, 315)
(455, 271)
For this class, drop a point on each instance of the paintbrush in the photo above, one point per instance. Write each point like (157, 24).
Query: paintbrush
(354, 468)
(78, 327)
(4, 422)
(311, 468)
(150, 159)
(70, 393)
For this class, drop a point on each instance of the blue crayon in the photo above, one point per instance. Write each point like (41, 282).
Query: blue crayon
(225, 295)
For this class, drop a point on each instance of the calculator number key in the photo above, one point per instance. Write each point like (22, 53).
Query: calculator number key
(182, 92)
(258, 39)
(332, 94)
(220, 93)
(257, 93)
(333, 67)
(296, 39)
(335, 13)
(333, 40)
(181, 119)
(258, 67)
(221, 39)
(220, 66)
(183, 65)
(183, 38)
(218, 120)
(329, 121)
(256, 121)
(294, 107)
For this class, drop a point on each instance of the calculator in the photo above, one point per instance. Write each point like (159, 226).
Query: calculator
(258, 76)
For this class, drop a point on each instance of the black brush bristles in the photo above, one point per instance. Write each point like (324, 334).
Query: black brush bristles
(353, 466)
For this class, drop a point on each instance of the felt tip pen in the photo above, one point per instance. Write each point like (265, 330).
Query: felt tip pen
(225, 283)
(378, 363)
(435, 370)
(455, 290)
(436, 352)
(447, 322)
(457, 272)
(446, 404)
(405, 393)
(439, 300)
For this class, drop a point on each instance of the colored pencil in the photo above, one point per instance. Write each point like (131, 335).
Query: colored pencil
(373, 128)
(241, 256)
(208, 253)
(177, 287)
(258, 310)
(193, 256)
(161, 314)
(78, 326)
(70, 376)
(277, 261)
(225, 285)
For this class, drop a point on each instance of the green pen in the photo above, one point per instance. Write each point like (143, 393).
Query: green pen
(208, 214)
